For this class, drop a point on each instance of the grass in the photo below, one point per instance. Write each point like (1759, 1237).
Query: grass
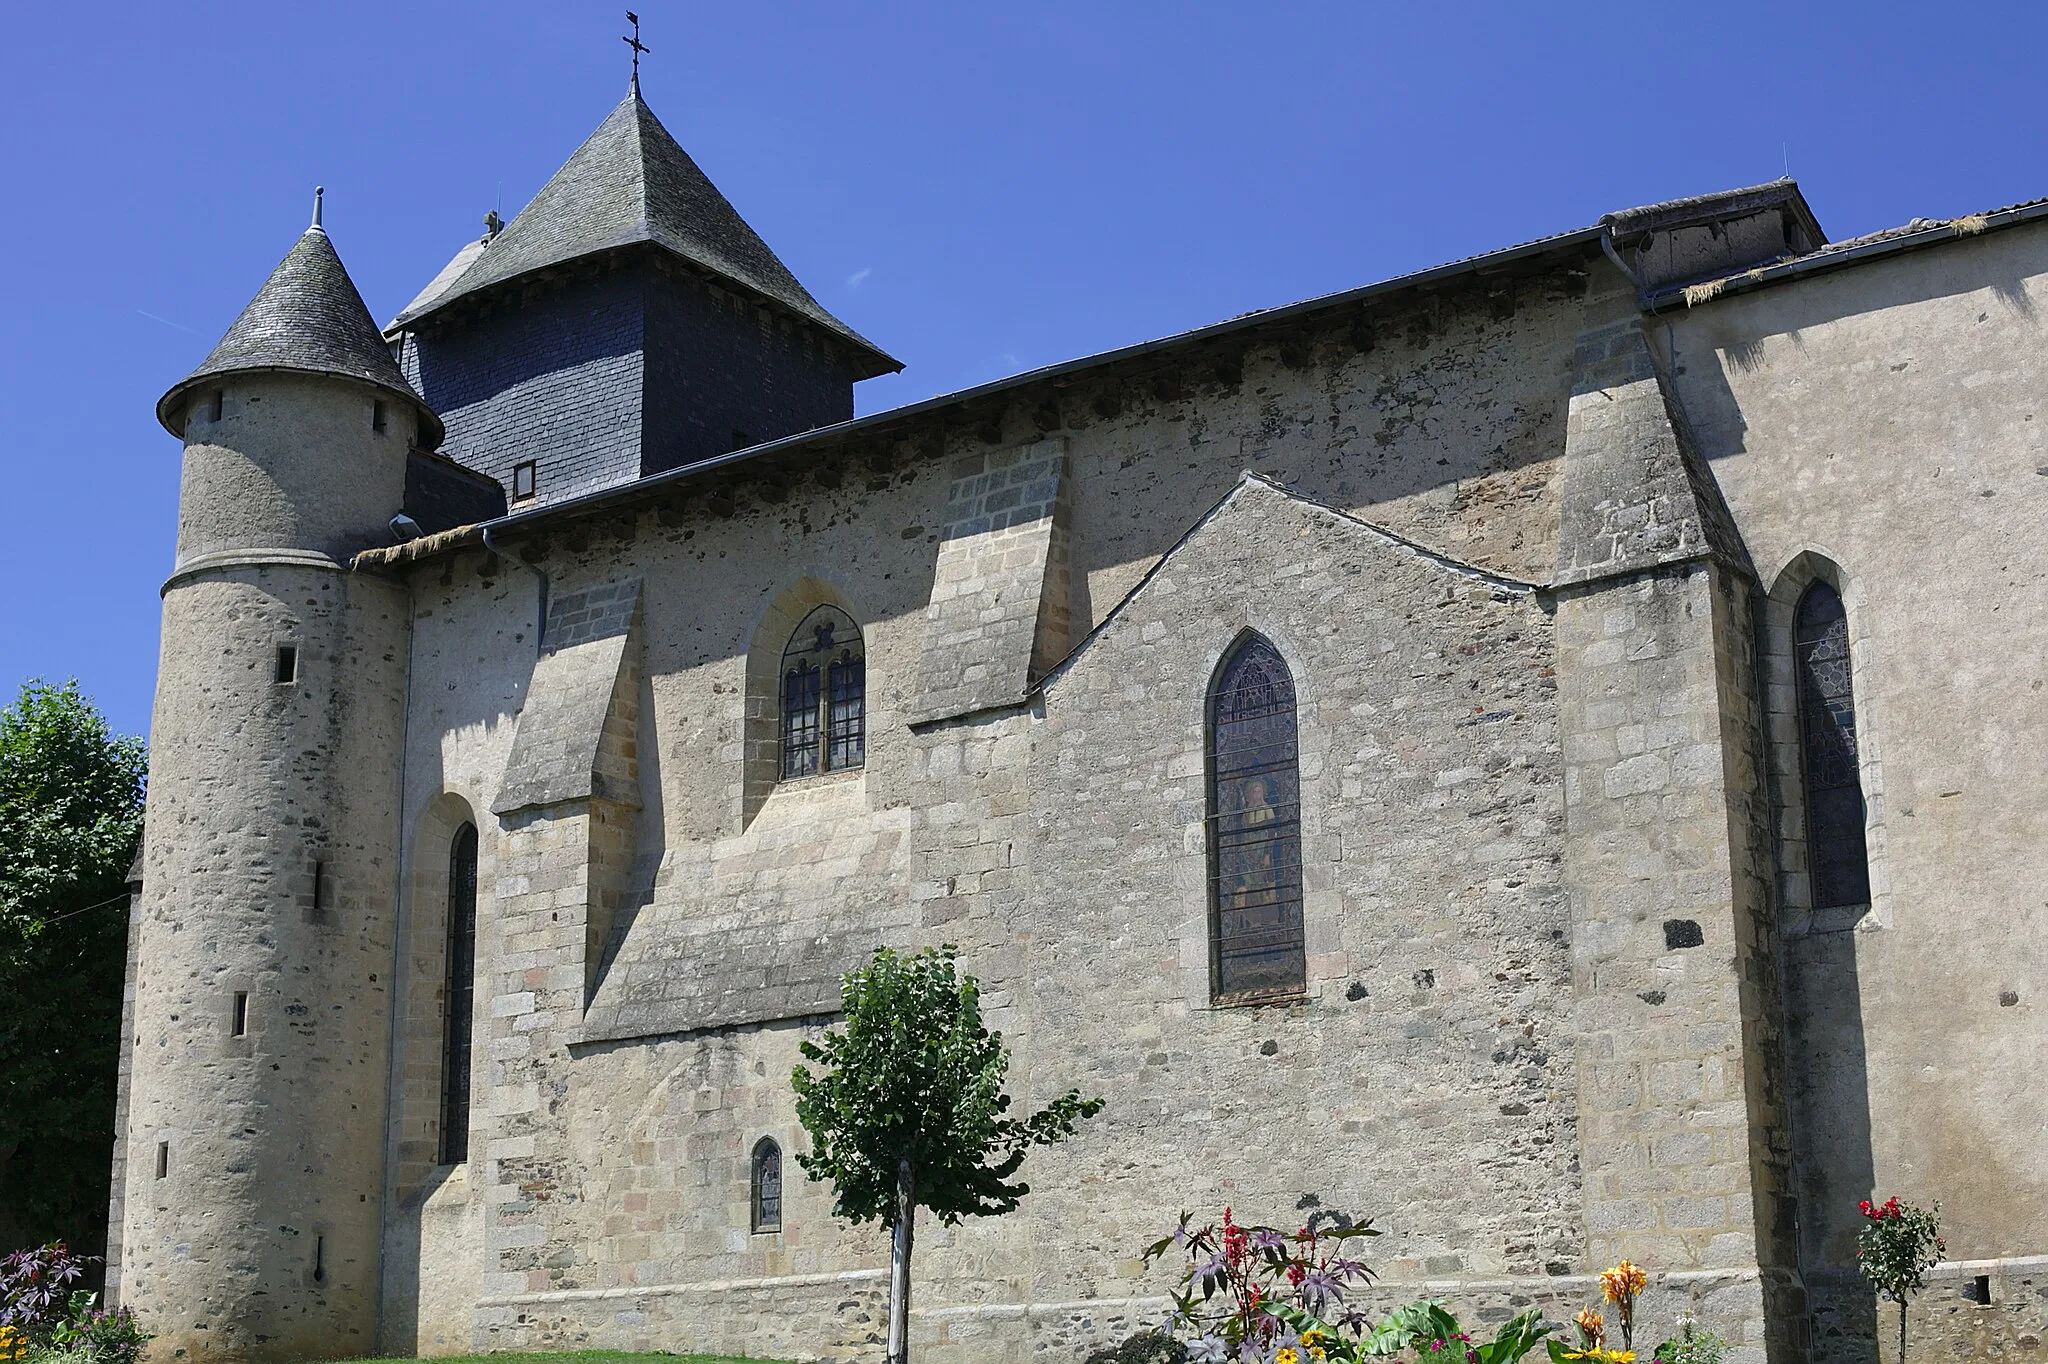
(578, 1357)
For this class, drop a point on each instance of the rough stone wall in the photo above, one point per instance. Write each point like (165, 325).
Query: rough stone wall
(1056, 835)
(1881, 427)
(262, 877)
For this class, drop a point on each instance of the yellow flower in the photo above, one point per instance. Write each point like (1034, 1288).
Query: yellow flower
(1287, 1354)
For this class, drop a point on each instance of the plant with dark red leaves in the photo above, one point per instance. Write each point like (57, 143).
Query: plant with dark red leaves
(35, 1289)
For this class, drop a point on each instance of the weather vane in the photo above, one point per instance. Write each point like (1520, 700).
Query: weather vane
(637, 46)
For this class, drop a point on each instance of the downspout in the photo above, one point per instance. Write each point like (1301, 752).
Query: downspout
(394, 1062)
(1607, 245)
(543, 631)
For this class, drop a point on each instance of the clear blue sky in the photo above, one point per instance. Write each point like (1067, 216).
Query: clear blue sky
(980, 188)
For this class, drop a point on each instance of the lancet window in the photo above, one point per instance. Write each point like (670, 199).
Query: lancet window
(1838, 864)
(1256, 939)
(767, 1192)
(460, 994)
(824, 696)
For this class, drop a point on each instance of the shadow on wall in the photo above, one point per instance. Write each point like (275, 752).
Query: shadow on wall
(2002, 263)
(1831, 1146)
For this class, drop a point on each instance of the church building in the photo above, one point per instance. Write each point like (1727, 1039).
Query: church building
(1549, 753)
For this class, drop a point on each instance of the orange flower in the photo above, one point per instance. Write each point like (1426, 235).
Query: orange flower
(1592, 1326)
(1623, 1282)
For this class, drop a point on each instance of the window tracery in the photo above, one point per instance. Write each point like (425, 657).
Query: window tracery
(1256, 938)
(824, 695)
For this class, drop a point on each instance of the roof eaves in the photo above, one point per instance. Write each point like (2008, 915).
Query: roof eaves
(1577, 239)
(1855, 251)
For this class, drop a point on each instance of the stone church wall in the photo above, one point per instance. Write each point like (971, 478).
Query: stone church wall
(1881, 427)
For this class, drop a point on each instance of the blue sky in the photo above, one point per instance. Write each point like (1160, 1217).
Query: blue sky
(980, 188)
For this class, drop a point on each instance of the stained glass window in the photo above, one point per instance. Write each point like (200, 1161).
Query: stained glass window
(1837, 862)
(767, 1185)
(1254, 828)
(460, 996)
(824, 696)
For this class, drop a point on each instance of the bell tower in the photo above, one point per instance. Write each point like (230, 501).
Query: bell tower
(254, 1127)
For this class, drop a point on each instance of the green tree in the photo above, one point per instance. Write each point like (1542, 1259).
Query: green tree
(70, 822)
(910, 1110)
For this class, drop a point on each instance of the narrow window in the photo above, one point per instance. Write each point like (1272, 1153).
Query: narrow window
(377, 415)
(1837, 862)
(163, 1160)
(767, 1198)
(460, 997)
(319, 885)
(215, 403)
(241, 1023)
(525, 480)
(1256, 941)
(319, 1259)
(824, 696)
(740, 441)
(287, 664)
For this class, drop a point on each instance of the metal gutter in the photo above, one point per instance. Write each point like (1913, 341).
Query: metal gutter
(1471, 265)
(1815, 263)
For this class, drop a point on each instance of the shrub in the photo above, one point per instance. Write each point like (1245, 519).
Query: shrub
(35, 1288)
(1896, 1247)
(1692, 1345)
(90, 1334)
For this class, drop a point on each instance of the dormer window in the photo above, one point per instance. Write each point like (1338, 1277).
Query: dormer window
(525, 480)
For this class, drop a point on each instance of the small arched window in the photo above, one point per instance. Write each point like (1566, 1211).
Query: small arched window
(1256, 943)
(1838, 863)
(824, 696)
(460, 997)
(767, 1185)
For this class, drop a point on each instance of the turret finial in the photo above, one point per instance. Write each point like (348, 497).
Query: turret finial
(633, 88)
(318, 190)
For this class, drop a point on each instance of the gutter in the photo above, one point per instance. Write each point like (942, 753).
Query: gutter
(1471, 265)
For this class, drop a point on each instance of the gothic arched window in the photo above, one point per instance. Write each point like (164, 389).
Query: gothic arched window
(824, 695)
(1256, 948)
(1837, 862)
(460, 995)
(767, 1185)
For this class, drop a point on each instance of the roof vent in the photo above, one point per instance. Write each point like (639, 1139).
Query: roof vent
(1686, 241)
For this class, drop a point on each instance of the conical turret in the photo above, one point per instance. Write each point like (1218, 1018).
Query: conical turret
(306, 319)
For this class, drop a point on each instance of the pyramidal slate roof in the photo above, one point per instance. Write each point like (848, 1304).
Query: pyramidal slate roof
(307, 318)
(629, 183)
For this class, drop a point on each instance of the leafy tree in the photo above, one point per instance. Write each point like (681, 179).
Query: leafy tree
(70, 821)
(910, 1110)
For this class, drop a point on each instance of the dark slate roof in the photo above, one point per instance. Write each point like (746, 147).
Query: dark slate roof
(306, 318)
(630, 183)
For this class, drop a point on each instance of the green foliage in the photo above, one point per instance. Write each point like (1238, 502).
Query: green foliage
(1897, 1245)
(914, 1073)
(90, 1334)
(1146, 1347)
(1692, 1345)
(70, 819)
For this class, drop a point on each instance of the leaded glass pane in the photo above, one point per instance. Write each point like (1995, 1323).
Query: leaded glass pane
(460, 995)
(767, 1186)
(1837, 861)
(1255, 827)
(800, 720)
(824, 696)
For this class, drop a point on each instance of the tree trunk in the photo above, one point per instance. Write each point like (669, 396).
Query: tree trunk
(899, 1264)
(1902, 1331)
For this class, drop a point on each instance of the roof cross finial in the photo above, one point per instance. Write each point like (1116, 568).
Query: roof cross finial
(318, 190)
(637, 46)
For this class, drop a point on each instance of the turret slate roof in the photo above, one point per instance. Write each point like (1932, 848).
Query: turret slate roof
(307, 318)
(630, 183)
